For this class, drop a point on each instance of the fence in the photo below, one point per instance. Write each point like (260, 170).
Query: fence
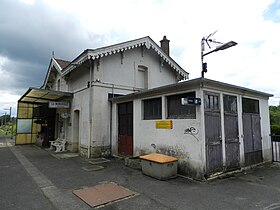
(275, 143)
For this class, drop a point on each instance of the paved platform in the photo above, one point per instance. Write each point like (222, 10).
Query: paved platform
(32, 178)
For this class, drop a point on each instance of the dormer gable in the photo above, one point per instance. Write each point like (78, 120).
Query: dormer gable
(54, 70)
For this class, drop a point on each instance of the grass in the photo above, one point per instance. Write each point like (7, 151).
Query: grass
(5, 131)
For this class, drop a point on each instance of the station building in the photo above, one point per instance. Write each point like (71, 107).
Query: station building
(132, 99)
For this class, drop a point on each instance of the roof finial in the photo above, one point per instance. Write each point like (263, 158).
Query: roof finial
(53, 54)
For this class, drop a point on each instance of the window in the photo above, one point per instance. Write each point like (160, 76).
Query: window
(24, 125)
(230, 104)
(250, 106)
(152, 109)
(142, 77)
(178, 111)
(58, 85)
(211, 102)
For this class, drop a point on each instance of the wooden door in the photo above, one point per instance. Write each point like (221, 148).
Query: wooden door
(252, 138)
(213, 136)
(232, 141)
(125, 129)
(232, 145)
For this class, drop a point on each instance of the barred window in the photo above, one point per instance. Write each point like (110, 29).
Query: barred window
(152, 109)
(176, 110)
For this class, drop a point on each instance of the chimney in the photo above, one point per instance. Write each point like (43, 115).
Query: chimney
(164, 44)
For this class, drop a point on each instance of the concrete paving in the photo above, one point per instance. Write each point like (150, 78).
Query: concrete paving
(34, 178)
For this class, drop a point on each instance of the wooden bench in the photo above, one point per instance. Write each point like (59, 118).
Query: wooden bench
(58, 144)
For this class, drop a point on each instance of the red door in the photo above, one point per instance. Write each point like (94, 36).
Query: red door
(125, 129)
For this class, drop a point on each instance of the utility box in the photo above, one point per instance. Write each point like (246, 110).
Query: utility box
(159, 166)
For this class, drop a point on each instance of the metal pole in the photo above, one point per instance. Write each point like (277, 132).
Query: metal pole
(5, 120)
(202, 49)
(11, 121)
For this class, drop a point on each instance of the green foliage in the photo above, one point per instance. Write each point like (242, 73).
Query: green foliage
(5, 130)
(3, 119)
(275, 129)
(274, 112)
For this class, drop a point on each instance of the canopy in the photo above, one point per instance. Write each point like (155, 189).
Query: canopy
(27, 122)
(39, 96)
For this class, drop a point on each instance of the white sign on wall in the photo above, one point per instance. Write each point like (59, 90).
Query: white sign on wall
(59, 104)
(64, 115)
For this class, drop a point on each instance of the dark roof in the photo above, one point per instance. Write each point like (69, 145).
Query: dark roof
(62, 63)
(190, 84)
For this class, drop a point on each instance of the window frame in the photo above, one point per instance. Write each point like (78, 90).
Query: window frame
(214, 104)
(152, 114)
(251, 104)
(227, 101)
(173, 112)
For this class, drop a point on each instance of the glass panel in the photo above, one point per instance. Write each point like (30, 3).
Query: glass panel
(152, 109)
(21, 139)
(34, 138)
(211, 102)
(36, 93)
(24, 105)
(36, 127)
(25, 112)
(24, 125)
(230, 103)
(52, 96)
(207, 102)
(26, 99)
(250, 105)
(216, 103)
(176, 110)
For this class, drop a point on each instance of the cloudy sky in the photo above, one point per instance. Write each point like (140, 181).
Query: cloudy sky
(31, 29)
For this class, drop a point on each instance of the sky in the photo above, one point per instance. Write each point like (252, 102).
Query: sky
(30, 30)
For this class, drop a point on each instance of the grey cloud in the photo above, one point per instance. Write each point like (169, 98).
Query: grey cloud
(29, 34)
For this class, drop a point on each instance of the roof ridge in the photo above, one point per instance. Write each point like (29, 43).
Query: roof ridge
(124, 46)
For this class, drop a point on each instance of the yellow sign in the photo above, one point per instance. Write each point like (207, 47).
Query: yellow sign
(164, 124)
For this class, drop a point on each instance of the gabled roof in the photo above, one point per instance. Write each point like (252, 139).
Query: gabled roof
(62, 63)
(56, 65)
(125, 46)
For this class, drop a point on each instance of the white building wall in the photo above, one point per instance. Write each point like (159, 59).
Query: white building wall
(176, 142)
(112, 74)
(60, 84)
(78, 80)
(189, 148)
(80, 102)
(114, 134)
(240, 130)
(265, 130)
(77, 84)
(114, 69)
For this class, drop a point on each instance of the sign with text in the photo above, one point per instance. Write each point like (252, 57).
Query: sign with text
(164, 124)
(190, 100)
(59, 104)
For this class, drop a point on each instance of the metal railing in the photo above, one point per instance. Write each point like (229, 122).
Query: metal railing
(275, 144)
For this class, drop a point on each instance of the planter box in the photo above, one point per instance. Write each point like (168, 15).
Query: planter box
(159, 166)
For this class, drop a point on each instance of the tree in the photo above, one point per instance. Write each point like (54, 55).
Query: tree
(274, 112)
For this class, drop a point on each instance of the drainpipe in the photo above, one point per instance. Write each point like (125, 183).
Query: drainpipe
(90, 104)
(111, 120)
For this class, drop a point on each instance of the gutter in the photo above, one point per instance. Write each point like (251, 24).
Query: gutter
(90, 105)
